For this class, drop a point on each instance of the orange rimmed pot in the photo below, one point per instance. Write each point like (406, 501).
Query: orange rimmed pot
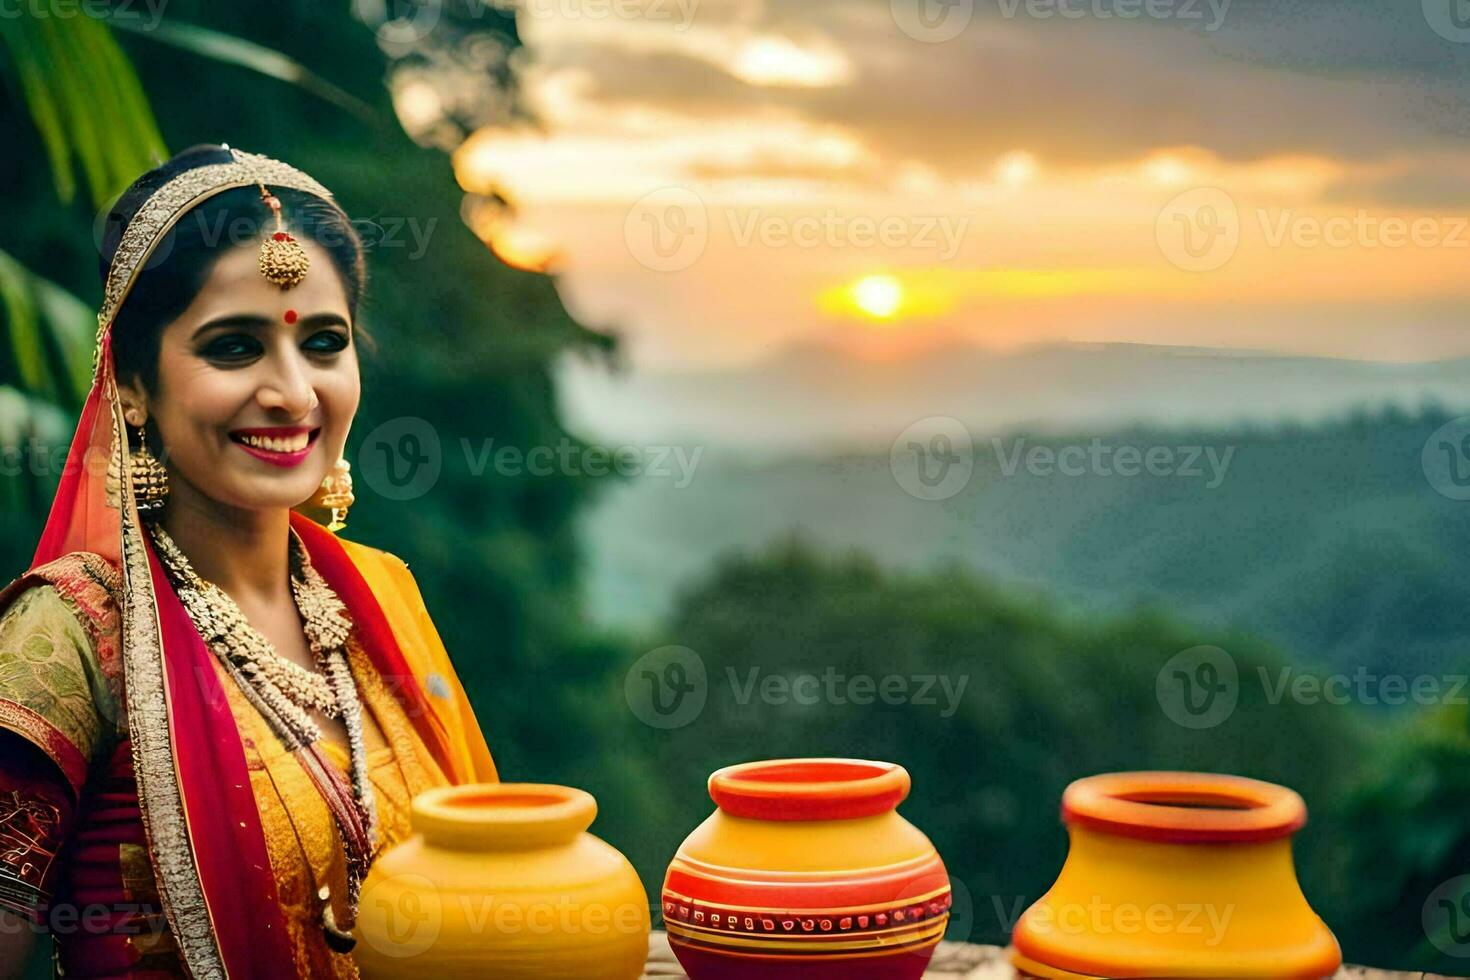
(806, 870)
(502, 880)
(1176, 874)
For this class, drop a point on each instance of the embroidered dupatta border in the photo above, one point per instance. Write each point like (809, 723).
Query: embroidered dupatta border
(160, 797)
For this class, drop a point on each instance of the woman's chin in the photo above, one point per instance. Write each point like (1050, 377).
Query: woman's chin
(278, 496)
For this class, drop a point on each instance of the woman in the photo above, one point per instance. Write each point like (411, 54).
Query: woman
(214, 712)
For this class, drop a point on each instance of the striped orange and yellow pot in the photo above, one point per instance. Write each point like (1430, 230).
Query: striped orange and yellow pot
(806, 870)
(1176, 874)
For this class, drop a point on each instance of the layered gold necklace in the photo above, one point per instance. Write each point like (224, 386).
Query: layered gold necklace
(285, 693)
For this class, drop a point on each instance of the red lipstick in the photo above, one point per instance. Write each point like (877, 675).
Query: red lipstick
(283, 445)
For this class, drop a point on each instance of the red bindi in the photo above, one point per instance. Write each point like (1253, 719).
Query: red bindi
(290, 316)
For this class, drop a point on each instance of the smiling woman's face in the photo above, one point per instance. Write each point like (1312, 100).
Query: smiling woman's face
(257, 385)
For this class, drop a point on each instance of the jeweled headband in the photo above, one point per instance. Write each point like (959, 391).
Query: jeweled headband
(282, 260)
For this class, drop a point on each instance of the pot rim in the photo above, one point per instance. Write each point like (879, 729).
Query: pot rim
(504, 813)
(1184, 807)
(809, 789)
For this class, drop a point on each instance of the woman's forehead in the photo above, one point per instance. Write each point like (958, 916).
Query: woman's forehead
(235, 285)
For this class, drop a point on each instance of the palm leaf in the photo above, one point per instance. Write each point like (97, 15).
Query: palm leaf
(228, 49)
(48, 335)
(86, 102)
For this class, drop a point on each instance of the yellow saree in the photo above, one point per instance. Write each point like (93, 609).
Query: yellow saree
(60, 687)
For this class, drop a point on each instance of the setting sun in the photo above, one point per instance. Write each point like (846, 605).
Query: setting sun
(878, 296)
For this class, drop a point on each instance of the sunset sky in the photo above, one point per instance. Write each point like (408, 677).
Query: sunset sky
(719, 179)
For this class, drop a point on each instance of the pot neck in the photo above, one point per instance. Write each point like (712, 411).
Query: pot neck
(502, 816)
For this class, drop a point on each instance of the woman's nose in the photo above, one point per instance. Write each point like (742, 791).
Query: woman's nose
(289, 389)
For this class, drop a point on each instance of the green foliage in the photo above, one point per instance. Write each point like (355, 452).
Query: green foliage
(1325, 539)
(1410, 836)
(84, 100)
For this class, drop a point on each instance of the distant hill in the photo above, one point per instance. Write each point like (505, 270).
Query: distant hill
(821, 396)
(1328, 539)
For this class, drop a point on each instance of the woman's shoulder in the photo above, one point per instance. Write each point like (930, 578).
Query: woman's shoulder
(58, 643)
(378, 565)
(86, 584)
(361, 551)
(82, 592)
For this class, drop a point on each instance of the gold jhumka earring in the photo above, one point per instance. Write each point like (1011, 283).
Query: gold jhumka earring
(150, 477)
(150, 480)
(336, 493)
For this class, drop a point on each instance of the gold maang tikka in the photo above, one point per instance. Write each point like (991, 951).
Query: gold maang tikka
(282, 259)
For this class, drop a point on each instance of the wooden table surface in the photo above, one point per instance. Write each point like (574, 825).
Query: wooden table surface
(960, 961)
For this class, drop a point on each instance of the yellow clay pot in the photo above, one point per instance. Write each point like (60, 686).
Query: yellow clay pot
(502, 880)
(1176, 875)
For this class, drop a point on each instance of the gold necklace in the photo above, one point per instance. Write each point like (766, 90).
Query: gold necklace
(292, 691)
(284, 693)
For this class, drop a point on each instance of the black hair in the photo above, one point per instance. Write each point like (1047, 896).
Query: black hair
(180, 264)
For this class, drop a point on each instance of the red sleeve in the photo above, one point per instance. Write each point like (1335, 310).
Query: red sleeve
(36, 812)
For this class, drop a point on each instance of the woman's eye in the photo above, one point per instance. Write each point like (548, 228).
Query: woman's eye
(327, 342)
(232, 347)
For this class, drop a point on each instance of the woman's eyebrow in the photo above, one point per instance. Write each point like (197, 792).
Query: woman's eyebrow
(254, 321)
